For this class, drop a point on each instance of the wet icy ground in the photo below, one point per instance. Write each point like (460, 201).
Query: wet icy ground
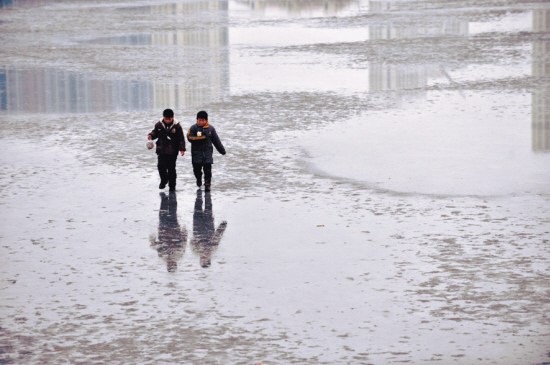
(386, 187)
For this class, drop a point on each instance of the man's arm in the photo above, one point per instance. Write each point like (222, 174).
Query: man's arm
(181, 138)
(152, 134)
(217, 143)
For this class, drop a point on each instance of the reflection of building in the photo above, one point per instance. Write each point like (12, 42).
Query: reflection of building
(4, 3)
(397, 77)
(56, 91)
(207, 52)
(404, 76)
(201, 57)
(31, 3)
(540, 127)
(24, 3)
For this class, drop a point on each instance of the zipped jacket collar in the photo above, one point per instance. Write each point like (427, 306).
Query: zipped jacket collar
(174, 123)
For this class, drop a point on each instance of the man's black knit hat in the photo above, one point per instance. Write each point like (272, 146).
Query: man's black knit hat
(202, 115)
(168, 113)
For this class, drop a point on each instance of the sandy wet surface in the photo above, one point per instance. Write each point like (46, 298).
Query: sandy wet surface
(385, 196)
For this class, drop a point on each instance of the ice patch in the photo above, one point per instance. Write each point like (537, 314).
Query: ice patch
(290, 73)
(305, 9)
(479, 144)
(294, 36)
(518, 22)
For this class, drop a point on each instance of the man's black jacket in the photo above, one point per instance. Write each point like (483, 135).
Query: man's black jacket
(169, 143)
(202, 139)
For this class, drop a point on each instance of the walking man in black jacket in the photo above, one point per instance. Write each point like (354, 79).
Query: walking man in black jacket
(202, 136)
(170, 137)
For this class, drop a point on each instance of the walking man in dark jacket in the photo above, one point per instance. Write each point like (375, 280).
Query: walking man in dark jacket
(170, 140)
(202, 136)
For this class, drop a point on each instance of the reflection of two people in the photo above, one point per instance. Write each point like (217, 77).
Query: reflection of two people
(171, 240)
(205, 237)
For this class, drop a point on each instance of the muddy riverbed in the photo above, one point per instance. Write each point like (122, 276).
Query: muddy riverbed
(385, 197)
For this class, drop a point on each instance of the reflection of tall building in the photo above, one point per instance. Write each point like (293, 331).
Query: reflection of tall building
(203, 82)
(24, 3)
(206, 51)
(540, 125)
(57, 91)
(405, 76)
(33, 3)
(4, 3)
(397, 77)
(200, 56)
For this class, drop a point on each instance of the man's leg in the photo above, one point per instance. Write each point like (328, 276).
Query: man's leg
(207, 175)
(197, 170)
(162, 167)
(171, 166)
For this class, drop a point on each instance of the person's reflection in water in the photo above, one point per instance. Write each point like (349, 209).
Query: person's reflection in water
(172, 239)
(205, 238)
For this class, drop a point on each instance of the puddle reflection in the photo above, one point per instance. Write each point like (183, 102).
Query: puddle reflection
(210, 38)
(50, 90)
(384, 76)
(58, 91)
(541, 69)
(306, 8)
(129, 40)
(326, 8)
(26, 3)
(181, 10)
(172, 239)
(6, 3)
(206, 238)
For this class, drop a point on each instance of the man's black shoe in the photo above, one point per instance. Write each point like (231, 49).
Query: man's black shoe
(172, 188)
(199, 183)
(162, 185)
(206, 187)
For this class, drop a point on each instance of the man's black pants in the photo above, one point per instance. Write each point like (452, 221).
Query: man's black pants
(197, 170)
(167, 169)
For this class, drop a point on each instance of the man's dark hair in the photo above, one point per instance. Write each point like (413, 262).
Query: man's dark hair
(168, 113)
(202, 115)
